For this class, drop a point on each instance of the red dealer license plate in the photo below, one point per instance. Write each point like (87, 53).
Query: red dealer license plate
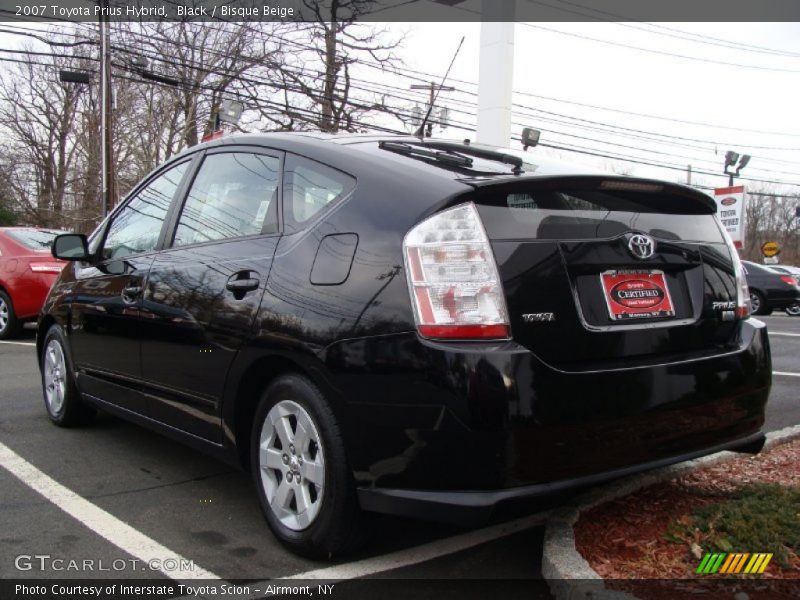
(637, 295)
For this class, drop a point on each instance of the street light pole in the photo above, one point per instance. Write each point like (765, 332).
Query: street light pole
(106, 121)
(731, 158)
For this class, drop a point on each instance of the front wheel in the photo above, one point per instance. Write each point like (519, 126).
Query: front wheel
(61, 397)
(302, 478)
(793, 310)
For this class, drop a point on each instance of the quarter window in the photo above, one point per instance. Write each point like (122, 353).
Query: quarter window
(136, 228)
(310, 187)
(233, 195)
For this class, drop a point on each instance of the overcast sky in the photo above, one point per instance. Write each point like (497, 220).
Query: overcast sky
(578, 71)
(590, 72)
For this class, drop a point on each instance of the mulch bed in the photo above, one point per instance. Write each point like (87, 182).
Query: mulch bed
(624, 539)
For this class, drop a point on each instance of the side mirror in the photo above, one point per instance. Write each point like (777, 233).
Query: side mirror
(70, 246)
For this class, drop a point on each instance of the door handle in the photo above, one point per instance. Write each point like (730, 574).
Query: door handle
(242, 286)
(130, 293)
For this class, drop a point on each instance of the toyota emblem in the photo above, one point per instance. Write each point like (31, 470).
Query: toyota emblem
(641, 246)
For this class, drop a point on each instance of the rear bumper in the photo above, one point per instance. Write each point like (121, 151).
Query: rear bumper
(437, 426)
(466, 507)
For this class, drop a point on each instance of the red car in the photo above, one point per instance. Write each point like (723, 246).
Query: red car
(27, 270)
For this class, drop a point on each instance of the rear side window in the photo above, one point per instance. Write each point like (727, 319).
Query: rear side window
(309, 188)
(234, 194)
(35, 239)
(593, 214)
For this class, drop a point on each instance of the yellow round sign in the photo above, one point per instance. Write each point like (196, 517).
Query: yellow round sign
(770, 249)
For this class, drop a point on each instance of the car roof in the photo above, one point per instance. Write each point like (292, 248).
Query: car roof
(360, 154)
(535, 165)
(759, 265)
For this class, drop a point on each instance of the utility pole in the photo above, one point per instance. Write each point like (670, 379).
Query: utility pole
(688, 174)
(495, 72)
(432, 87)
(106, 120)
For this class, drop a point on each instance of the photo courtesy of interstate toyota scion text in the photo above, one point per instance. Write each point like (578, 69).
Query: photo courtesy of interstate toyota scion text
(425, 328)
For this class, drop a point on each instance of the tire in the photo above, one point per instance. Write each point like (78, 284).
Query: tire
(10, 326)
(758, 303)
(317, 516)
(793, 310)
(62, 399)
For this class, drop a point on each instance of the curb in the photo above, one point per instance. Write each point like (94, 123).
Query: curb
(568, 574)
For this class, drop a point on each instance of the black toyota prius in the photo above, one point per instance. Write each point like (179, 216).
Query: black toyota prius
(417, 327)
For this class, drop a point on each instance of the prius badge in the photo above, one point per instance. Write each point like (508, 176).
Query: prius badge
(543, 317)
(641, 246)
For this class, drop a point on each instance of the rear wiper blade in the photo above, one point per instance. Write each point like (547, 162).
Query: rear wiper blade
(502, 157)
(448, 156)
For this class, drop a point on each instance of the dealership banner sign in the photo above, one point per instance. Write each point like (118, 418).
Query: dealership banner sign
(731, 213)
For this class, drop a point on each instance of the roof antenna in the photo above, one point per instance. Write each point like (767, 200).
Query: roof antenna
(420, 133)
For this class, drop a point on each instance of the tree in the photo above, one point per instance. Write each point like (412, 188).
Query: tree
(196, 66)
(319, 69)
(7, 215)
(771, 217)
(38, 112)
(168, 82)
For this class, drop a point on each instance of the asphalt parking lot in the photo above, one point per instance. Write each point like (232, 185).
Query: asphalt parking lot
(116, 492)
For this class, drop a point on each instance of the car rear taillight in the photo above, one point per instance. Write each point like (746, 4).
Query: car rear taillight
(788, 279)
(452, 277)
(46, 267)
(743, 308)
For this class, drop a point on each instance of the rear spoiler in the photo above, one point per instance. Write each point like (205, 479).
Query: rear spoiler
(686, 198)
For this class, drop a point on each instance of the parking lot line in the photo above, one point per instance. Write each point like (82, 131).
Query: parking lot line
(18, 343)
(784, 333)
(99, 521)
(786, 374)
(425, 552)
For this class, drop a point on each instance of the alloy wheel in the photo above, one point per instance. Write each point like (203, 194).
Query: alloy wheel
(292, 465)
(755, 303)
(55, 373)
(3, 314)
(794, 310)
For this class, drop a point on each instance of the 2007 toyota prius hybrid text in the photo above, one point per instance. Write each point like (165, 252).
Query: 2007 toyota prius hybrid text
(416, 327)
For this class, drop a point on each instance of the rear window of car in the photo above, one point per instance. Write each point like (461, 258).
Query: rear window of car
(309, 188)
(592, 214)
(35, 239)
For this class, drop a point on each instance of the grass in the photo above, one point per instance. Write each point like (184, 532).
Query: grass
(756, 518)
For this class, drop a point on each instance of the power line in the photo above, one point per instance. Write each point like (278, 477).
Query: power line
(600, 123)
(660, 52)
(397, 111)
(633, 47)
(677, 33)
(425, 77)
(594, 152)
(617, 157)
(652, 116)
(619, 19)
(572, 149)
(651, 151)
